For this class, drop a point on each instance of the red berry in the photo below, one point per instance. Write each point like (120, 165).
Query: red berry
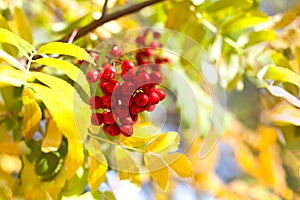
(134, 109)
(155, 77)
(126, 120)
(108, 118)
(126, 130)
(127, 65)
(96, 119)
(167, 60)
(127, 75)
(150, 108)
(156, 34)
(149, 88)
(141, 99)
(134, 117)
(161, 93)
(112, 129)
(92, 76)
(142, 79)
(121, 111)
(110, 72)
(95, 102)
(112, 85)
(155, 67)
(140, 40)
(148, 52)
(116, 51)
(102, 85)
(127, 88)
(106, 100)
(153, 98)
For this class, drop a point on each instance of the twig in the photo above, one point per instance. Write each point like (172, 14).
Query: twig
(108, 17)
(7, 114)
(104, 10)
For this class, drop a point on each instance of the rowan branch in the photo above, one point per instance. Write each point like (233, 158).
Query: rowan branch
(104, 10)
(109, 17)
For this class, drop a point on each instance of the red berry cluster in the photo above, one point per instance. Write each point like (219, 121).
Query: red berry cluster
(125, 95)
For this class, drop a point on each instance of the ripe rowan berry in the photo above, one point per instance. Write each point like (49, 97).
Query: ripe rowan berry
(141, 99)
(97, 119)
(95, 102)
(92, 76)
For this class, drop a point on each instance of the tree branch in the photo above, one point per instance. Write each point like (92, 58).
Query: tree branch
(106, 18)
(104, 10)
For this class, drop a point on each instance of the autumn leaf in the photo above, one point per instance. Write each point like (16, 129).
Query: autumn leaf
(32, 114)
(158, 170)
(53, 137)
(164, 143)
(179, 163)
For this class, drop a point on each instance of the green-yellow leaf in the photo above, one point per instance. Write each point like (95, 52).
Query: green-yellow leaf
(66, 49)
(164, 143)
(52, 139)
(280, 92)
(224, 4)
(11, 38)
(261, 36)
(248, 20)
(60, 108)
(98, 165)
(11, 76)
(282, 74)
(279, 59)
(127, 167)
(69, 69)
(11, 60)
(22, 25)
(286, 19)
(285, 114)
(158, 170)
(179, 163)
(32, 114)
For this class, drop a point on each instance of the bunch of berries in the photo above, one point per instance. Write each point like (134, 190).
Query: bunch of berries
(124, 95)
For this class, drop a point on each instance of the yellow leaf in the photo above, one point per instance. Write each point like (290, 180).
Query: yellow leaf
(69, 69)
(98, 165)
(61, 110)
(285, 114)
(9, 148)
(11, 60)
(75, 156)
(158, 170)
(22, 25)
(32, 114)
(164, 143)
(10, 76)
(66, 49)
(179, 163)
(127, 167)
(143, 133)
(52, 139)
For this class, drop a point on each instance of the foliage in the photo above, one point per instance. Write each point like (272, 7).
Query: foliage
(45, 154)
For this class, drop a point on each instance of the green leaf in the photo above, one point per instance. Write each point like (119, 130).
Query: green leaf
(66, 49)
(32, 114)
(11, 60)
(250, 19)
(11, 38)
(281, 74)
(225, 4)
(22, 25)
(179, 163)
(280, 92)
(164, 143)
(69, 69)
(158, 170)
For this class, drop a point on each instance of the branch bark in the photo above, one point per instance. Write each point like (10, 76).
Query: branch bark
(104, 10)
(108, 17)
